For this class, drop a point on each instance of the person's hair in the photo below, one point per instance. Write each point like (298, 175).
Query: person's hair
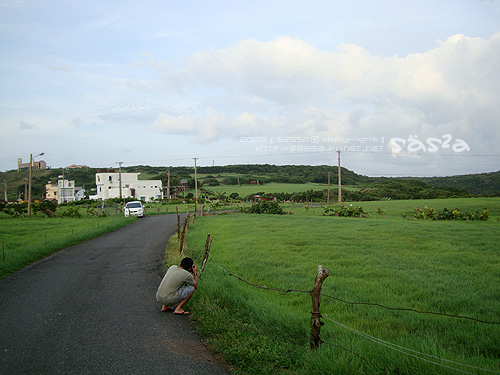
(187, 263)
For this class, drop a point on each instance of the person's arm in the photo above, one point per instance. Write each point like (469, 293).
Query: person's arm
(195, 275)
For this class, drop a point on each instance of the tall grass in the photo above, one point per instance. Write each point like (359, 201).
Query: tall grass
(26, 240)
(445, 267)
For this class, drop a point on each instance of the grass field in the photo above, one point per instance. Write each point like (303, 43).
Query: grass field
(450, 267)
(273, 187)
(26, 240)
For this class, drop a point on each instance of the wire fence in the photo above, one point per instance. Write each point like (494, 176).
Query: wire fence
(409, 352)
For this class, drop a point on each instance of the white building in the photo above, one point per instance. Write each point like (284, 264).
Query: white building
(64, 191)
(108, 186)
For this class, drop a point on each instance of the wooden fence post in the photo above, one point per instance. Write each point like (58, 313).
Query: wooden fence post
(183, 236)
(316, 322)
(178, 223)
(208, 243)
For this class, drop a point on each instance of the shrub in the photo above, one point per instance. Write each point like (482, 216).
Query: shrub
(266, 207)
(456, 214)
(424, 212)
(71, 212)
(46, 206)
(16, 209)
(344, 210)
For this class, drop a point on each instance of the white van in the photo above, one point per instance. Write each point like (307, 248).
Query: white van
(134, 208)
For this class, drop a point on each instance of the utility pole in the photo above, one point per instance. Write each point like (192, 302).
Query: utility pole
(195, 180)
(63, 192)
(328, 199)
(340, 181)
(120, 178)
(29, 186)
(5, 190)
(29, 183)
(168, 184)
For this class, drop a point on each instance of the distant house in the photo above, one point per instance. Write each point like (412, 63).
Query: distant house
(63, 191)
(51, 191)
(75, 166)
(39, 164)
(108, 187)
(258, 198)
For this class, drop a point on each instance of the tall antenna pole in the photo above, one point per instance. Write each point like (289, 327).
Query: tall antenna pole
(340, 181)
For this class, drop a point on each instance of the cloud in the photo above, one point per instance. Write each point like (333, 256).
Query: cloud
(25, 126)
(451, 89)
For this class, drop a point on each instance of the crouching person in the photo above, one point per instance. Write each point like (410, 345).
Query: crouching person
(177, 287)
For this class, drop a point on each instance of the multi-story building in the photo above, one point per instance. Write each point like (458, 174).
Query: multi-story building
(63, 191)
(37, 164)
(108, 186)
(50, 191)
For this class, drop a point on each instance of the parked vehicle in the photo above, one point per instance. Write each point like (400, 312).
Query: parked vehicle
(134, 208)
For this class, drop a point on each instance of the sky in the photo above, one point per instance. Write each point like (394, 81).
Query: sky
(395, 88)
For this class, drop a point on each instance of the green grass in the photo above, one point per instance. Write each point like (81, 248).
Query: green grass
(273, 187)
(446, 267)
(26, 240)
(394, 208)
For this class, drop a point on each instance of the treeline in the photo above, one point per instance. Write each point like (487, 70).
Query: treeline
(370, 187)
(483, 183)
(296, 174)
(390, 189)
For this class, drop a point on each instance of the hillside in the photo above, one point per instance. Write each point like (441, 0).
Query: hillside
(369, 187)
(480, 184)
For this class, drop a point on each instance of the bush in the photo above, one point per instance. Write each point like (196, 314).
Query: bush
(456, 214)
(266, 207)
(424, 213)
(211, 181)
(16, 209)
(71, 212)
(344, 211)
(47, 207)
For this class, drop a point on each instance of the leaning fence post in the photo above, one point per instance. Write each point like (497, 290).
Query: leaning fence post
(183, 236)
(178, 223)
(316, 322)
(208, 243)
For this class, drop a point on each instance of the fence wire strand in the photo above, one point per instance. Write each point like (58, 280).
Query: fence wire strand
(408, 309)
(285, 291)
(372, 338)
(406, 350)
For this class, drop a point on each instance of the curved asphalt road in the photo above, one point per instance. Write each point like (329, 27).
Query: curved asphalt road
(91, 309)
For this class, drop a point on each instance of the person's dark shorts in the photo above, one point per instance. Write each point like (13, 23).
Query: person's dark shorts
(183, 292)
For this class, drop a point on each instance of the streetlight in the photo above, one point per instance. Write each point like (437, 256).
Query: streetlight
(29, 183)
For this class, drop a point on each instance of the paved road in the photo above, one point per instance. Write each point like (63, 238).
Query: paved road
(91, 309)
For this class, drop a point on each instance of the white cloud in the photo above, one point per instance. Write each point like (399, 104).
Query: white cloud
(453, 88)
